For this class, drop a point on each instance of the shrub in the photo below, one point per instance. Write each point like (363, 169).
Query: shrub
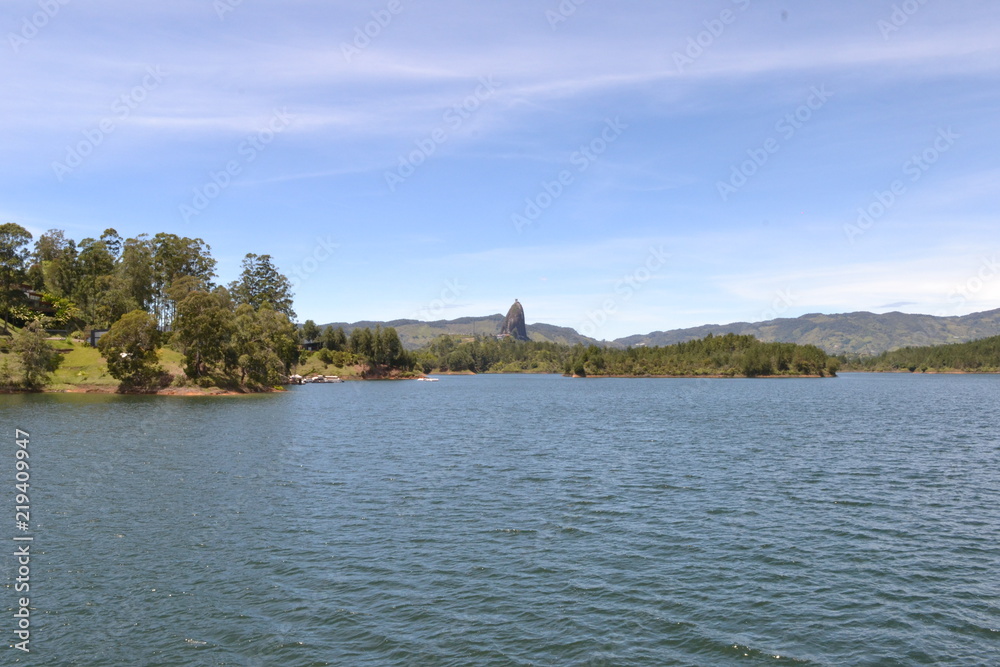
(130, 350)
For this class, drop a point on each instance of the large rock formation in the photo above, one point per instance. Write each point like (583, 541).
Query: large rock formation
(513, 324)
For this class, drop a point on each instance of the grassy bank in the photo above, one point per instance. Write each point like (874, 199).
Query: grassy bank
(83, 369)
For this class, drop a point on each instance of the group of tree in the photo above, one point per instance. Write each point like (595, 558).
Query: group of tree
(99, 280)
(978, 356)
(729, 355)
(148, 291)
(225, 342)
(379, 350)
(483, 354)
(331, 339)
(95, 282)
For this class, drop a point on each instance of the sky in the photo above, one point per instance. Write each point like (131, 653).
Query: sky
(619, 168)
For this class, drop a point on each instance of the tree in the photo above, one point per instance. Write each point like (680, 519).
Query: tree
(261, 284)
(264, 345)
(184, 286)
(113, 242)
(202, 331)
(37, 358)
(381, 349)
(13, 258)
(334, 340)
(130, 350)
(281, 336)
(54, 266)
(172, 257)
(112, 301)
(310, 331)
(390, 350)
(362, 343)
(94, 265)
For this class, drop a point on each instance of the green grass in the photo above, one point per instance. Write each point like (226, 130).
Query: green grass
(82, 365)
(314, 366)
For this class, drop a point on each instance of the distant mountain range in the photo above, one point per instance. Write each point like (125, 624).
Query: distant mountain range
(847, 333)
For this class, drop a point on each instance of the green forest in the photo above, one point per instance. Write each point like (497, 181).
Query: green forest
(727, 356)
(978, 356)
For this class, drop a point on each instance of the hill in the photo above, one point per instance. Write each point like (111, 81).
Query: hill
(861, 333)
(415, 334)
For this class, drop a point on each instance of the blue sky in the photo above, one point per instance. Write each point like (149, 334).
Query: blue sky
(618, 167)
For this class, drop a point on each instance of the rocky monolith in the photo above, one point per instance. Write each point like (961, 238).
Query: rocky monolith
(513, 324)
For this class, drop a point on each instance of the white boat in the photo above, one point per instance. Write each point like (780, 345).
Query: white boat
(323, 379)
(427, 379)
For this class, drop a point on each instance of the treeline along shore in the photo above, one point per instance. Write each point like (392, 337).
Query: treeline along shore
(977, 356)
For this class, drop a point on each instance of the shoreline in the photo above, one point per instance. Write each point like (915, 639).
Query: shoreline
(702, 377)
(178, 391)
(907, 372)
(217, 391)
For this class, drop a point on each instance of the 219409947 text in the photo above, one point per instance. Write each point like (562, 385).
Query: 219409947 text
(22, 542)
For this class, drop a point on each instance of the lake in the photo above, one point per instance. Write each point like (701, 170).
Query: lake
(515, 520)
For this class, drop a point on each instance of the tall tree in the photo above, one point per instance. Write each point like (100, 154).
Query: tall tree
(14, 255)
(54, 264)
(175, 256)
(135, 271)
(129, 348)
(362, 342)
(334, 340)
(94, 264)
(202, 331)
(261, 284)
(264, 345)
(310, 331)
(113, 242)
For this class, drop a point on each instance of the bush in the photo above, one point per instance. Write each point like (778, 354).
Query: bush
(37, 358)
(129, 348)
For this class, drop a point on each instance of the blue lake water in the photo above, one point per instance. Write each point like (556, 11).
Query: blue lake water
(515, 520)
